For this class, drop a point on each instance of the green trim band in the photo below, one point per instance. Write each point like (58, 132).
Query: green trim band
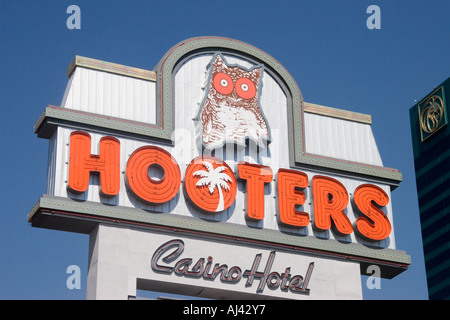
(337, 113)
(53, 116)
(117, 213)
(110, 67)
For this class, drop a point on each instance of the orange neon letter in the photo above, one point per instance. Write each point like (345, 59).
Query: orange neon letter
(210, 184)
(256, 176)
(82, 163)
(143, 186)
(377, 227)
(289, 196)
(330, 200)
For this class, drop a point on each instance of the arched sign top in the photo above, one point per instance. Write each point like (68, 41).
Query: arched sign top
(195, 46)
(198, 45)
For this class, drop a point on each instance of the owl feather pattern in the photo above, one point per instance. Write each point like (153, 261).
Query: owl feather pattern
(230, 111)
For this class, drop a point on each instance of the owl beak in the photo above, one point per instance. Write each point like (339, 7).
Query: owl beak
(235, 97)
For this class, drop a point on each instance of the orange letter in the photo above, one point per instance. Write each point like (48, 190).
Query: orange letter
(256, 176)
(210, 184)
(330, 200)
(289, 196)
(82, 163)
(378, 227)
(146, 188)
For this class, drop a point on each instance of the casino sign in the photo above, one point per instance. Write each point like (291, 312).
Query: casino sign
(210, 173)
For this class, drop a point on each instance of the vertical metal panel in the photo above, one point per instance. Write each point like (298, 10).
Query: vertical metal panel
(51, 163)
(112, 95)
(340, 139)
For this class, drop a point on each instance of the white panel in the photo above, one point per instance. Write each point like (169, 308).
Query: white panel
(51, 163)
(340, 139)
(124, 256)
(112, 95)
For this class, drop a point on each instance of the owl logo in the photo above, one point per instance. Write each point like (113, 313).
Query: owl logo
(230, 111)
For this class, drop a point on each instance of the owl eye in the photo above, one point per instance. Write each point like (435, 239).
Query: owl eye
(223, 83)
(245, 88)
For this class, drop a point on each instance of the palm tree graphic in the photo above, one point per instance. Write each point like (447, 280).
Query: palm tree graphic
(215, 178)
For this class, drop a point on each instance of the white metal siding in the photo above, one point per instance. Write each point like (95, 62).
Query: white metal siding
(111, 94)
(340, 139)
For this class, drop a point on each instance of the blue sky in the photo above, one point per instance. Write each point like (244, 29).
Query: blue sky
(325, 45)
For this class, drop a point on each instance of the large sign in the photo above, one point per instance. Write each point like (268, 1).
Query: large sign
(217, 142)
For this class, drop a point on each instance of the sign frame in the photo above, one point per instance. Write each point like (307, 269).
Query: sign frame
(83, 217)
